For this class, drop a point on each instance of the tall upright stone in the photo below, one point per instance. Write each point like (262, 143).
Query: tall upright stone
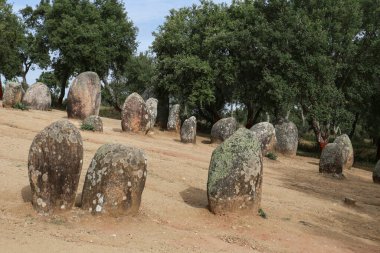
(347, 150)
(38, 97)
(13, 94)
(54, 166)
(235, 174)
(115, 180)
(376, 173)
(84, 96)
(287, 138)
(189, 130)
(151, 105)
(331, 161)
(223, 129)
(266, 134)
(135, 116)
(174, 121)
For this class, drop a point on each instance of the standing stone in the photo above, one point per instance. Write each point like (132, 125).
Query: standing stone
(13, 94)
(266, 134)
(287, 138)
(235, 174)
(151, 105)
(135, 116)
(115, 180)
(376, 173)
(347, 150)
(331, 161)
(223, 129)
(38, 97)
(95, 122)
(54, 166)
(189, 130)
(174, 122)
(84, 96)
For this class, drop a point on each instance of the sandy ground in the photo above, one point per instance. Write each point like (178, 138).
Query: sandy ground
(305, 210)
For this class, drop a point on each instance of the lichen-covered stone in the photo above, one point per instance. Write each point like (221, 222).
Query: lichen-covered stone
(54, 166)
(94, 121)
(287, 138)
(84, 96)
(151, 105)
(174, 121)
(38, 97)
(266, 134)
(189, 130)
(115, 181)
(331, 161)
(376, 173)
(347, 150)
(235, 174)
(223, 129)
(13, 94)
(135, 116)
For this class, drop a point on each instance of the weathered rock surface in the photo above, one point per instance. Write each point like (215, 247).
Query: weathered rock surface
(189, 130)
(54, 166)
(287, 138)
(13, 94)
(376, 173)
(115, 181)
(84, 96)
(223, 129)
(94, 121)
(174, 121)
(38, 97)
(148, 93)
(235, 174)
(331, 159)
(345, 145)
(151, 105)
(135, 116)
(266, 134)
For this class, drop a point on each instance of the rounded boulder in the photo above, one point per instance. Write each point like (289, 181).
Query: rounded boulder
(223, 129)
(287, 138)
(38, 97)
(84, 96)
(347, 150)
(235, 174)
(331, 160)
(135, 116)
(189, 130)
(266, 134)
(13, 94)
(54, 166)
(115, 181)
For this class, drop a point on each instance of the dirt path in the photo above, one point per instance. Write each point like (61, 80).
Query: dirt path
(305, 209)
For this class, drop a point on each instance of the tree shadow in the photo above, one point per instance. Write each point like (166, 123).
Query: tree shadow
(195, 197)
(118, 130)
(313, 163)
(206, 141)
(26, 194)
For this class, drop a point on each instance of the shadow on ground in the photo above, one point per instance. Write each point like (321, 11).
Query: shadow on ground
(195, 197)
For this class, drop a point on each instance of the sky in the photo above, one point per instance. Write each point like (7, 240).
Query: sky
(146, 15)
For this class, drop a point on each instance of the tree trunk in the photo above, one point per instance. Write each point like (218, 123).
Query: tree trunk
(113, 100)
(378, 149)
(24, 83)
(321, 137)
(1, 89)
(63, 89)
(252, 116)
(354, 126)
(162, 109)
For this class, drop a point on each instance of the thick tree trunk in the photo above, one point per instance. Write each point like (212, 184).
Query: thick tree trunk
(321, 137)
(252, 116)
(378, 149)
(353, 128)
(63, 90)
(162, 110)
(24, 83)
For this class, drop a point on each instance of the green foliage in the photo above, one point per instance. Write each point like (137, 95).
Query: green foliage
(20, 106)
(271, 156)
(262, 214)
(87, 127)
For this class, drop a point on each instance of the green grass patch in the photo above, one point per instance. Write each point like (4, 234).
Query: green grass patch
(262, 214)
(20, 106)
(87, 127)
(271, 156)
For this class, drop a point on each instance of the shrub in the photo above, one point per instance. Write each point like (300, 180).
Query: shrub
(262, 214)
(20, 106)
(271, 156)
(87, 127)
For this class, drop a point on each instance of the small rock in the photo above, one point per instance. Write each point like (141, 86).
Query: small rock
(223, 129)
(189, 130)
(349, 201)
(95, 122)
